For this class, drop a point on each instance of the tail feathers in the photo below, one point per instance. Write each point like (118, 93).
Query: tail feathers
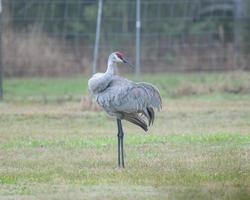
(152, 115)
(149, 114)
(145, 113)
(136, 119)
(153, 93)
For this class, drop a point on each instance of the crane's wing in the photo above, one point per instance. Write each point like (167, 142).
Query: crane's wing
(134, 102)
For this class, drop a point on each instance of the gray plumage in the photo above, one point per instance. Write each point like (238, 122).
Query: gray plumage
(124, 99)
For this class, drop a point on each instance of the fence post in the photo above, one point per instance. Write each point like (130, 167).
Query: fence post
(1, 57)
(238, 13)
(138, 37)
(97, 36)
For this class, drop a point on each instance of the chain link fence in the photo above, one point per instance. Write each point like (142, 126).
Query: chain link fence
(57, 37)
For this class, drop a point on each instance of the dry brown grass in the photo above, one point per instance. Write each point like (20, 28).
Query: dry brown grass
(87, 104)
(235, 83)
(34, 53)
(189, 57)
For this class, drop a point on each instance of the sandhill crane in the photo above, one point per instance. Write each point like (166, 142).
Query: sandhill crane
(124, 99)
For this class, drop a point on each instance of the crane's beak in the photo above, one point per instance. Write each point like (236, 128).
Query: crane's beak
(128, 63)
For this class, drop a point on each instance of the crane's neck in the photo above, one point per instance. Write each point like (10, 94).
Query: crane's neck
(111, 65)
(100, 81)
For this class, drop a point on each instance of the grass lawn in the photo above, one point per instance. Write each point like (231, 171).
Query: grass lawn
(52, 147)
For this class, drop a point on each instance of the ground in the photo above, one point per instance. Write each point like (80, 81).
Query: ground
(53, 145)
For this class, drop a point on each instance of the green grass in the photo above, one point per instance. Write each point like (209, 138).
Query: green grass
(171, 85)
(45, 89)
(100, 142)
(198, 148)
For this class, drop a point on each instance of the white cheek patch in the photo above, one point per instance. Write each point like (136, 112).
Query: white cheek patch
(118, 59)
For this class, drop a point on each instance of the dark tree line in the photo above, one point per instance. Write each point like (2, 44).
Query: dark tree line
(70, 18)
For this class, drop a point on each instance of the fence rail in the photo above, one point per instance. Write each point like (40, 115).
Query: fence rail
(56, 37)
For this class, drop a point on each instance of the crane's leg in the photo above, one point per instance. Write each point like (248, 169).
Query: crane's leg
(119, 143)
(120, 136)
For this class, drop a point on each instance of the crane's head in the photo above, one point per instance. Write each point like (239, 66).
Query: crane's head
(118, 57)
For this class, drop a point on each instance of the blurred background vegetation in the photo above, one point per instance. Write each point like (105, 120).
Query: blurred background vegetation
(56, 38)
